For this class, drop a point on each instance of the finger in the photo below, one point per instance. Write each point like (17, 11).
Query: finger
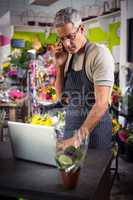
(76, 143)
(60, 145)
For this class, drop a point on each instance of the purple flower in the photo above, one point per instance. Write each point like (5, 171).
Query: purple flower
(12, 73)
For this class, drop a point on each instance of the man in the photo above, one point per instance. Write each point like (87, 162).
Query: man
(85, 76)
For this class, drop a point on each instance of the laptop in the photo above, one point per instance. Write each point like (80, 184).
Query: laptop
(33, 142)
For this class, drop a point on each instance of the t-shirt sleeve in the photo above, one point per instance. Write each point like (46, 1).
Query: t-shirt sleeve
(102, 71)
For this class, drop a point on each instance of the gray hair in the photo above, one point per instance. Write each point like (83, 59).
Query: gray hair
(67, 15)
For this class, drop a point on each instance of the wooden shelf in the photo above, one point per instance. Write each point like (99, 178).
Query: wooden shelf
(29, 28)
(104, 16)
(85, 20)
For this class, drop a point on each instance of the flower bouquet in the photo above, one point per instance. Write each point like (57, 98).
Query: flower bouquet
(116, 94)
(12, 73)
(116, 126)
(47, 94)
(45, 120)
(15, 94)
(125, 142)
(69, 163)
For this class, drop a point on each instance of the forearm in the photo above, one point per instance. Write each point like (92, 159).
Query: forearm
(93, 117)
(91, 121)
(60, 62)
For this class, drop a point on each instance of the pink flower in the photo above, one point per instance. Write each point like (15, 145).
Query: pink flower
(15, 94)
(123, 136)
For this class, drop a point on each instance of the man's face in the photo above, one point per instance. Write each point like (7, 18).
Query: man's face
(71, 37)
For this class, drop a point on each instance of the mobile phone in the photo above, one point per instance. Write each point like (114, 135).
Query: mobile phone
(61, 46)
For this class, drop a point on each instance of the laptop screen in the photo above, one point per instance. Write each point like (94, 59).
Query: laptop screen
(33, 142)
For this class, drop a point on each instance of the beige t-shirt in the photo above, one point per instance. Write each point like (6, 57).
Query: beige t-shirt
(99, 64)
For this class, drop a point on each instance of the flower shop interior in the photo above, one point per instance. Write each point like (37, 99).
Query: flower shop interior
(32, 118)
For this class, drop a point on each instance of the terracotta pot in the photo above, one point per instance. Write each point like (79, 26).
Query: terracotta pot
(70, 179)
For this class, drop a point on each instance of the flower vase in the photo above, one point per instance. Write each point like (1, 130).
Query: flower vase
(70, 179)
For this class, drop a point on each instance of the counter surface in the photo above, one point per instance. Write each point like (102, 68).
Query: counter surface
(20, 178)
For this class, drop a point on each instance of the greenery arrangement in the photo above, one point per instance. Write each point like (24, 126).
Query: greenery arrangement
(20, 61)
(20, 57)
(130, 139)
(70, 160)
(129, 136)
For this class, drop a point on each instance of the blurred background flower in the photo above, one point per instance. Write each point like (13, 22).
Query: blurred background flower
(116, 94)
(116, 126)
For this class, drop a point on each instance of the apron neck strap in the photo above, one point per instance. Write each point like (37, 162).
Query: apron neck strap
(86, 47)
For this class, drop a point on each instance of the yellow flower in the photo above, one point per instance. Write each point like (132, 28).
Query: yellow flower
(117, 90)
(115, 126)
(48, 122)
(5, 65)
(54, 97)
(35, 119)
(42, 120)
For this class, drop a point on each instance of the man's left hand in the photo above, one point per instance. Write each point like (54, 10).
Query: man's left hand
(73, 141)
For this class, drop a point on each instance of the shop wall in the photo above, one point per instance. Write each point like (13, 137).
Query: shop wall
(126, 13)
(6, 33)
(106, 31)
(32, 37)
(129, 9)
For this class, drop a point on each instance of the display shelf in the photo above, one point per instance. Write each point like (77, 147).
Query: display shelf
(29, 28)
(85, 20)
(46, 103)
(104, 16)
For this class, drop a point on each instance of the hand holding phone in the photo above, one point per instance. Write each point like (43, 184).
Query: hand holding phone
(61, 55)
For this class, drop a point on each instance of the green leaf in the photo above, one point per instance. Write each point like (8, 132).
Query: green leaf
(130, 139)
(65, 160)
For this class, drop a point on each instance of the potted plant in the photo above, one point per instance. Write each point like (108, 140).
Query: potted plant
(125, 137)
(69, 163)
(19, 58)
(121, 139)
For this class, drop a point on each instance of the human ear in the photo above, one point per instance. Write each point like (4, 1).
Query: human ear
(82, 28)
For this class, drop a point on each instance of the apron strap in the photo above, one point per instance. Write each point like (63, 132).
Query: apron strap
(70, 64)
(87, 46)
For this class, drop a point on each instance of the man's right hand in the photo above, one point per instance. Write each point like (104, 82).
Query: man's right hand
(60, 56)
(60, 60)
